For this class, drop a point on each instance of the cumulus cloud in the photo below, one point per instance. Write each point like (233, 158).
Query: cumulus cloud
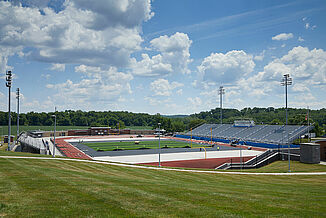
(154, 66)
(104, 86)
(58, 67)
(283, 36)
(226, 68)
(174, 56)
(306, 67)
(76, 34)
(195, 102)
(113, 13)
(300, 39)
(162, 87)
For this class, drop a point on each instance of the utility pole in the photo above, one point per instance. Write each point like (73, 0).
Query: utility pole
(308, 125)
(286, 81)
(8, 84)
(221, 92)
(17, 96)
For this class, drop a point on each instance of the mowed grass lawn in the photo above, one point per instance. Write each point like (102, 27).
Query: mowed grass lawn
(47, 188)
(131, 145)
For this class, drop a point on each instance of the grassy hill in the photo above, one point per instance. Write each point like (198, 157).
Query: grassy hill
(64, 188)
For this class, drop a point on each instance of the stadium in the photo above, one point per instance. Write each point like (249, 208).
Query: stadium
(208, 146)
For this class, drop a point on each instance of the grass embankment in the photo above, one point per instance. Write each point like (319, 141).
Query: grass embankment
(131, 145)
(63, 188)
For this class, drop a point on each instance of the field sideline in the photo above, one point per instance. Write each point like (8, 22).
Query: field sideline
(65, 188)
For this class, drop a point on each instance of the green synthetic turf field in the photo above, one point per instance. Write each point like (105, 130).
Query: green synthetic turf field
(53, 188)
(131, 145)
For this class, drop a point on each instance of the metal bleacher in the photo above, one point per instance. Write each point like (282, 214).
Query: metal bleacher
(270, 134)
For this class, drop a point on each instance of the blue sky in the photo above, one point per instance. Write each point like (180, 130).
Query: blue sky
(162, 56)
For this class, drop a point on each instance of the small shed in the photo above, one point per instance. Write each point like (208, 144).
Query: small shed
(310, 153)
(322, 143)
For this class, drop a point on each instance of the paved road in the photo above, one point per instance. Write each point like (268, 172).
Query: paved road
(168, 169)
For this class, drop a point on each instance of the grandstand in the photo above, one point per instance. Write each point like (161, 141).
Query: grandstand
(246, 132)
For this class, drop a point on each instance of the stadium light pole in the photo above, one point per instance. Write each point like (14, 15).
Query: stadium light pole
(308, 124)
(8, 84)
(221, 92)
(159, 144)
(286, 81)
(17, 96)
(55, 123)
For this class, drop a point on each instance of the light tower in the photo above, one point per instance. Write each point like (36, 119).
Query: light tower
(286, 81)
(8, 84)
(17, 96)
(221, 92)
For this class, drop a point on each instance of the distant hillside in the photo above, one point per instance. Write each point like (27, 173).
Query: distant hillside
(175, 116)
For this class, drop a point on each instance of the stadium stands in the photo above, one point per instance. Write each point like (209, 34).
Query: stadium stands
(257, 135)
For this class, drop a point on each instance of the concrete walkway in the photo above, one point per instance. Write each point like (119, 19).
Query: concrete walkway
(168, 169)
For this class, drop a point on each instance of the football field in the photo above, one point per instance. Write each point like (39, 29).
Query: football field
(132, 145)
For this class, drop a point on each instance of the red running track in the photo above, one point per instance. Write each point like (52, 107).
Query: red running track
(69, 150)
(210, 163)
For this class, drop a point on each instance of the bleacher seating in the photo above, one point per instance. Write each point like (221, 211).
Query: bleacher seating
(270, 134)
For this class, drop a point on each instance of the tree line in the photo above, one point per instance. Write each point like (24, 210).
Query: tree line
(122, 119)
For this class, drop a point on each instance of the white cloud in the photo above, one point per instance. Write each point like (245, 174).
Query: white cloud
(307, 25)
(46, 76)
(195, 102)
(101, 32)
(283, 36)
(127, 13)
(260, 57)
(151, 66)
(226, 68)
(306, 67)
(162, 87)
(300, 39)
(58, 67)
(105, 86)
(173, 56)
